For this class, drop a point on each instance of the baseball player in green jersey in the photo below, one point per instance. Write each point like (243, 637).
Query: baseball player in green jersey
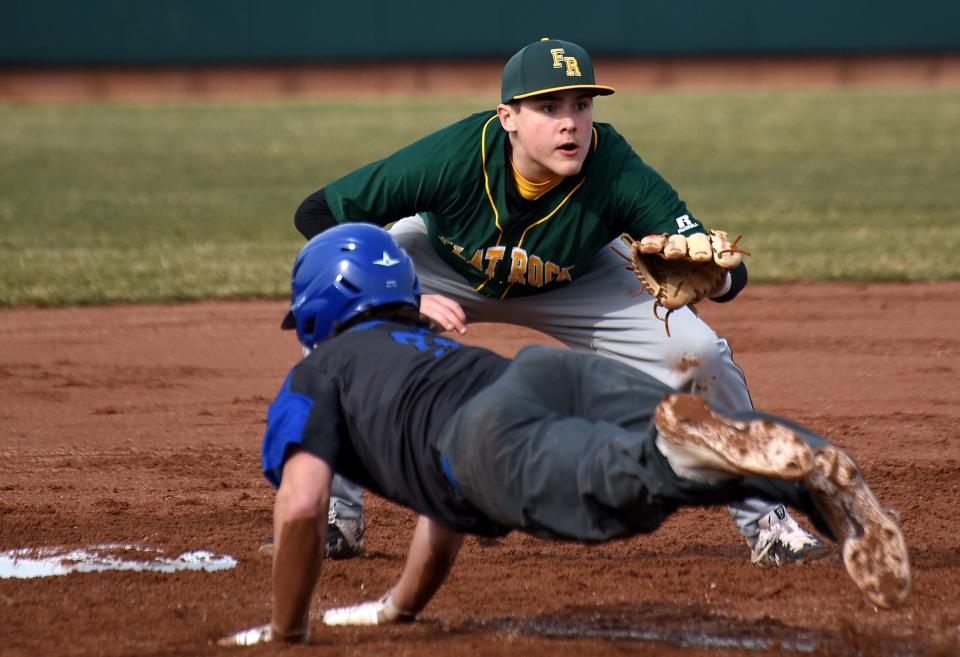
(509, 215)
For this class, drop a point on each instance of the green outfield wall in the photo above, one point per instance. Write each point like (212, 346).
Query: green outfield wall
(183, 32)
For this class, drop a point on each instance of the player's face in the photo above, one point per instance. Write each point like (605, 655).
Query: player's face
(550, 134)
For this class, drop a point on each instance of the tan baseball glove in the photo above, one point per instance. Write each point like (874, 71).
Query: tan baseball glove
(680, 271)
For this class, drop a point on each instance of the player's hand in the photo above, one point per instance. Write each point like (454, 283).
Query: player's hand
(445, 312)
(674, 247)
(372, 612)
(257, 635)
(248, 637)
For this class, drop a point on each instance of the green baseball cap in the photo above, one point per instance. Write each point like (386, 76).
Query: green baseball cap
(548, 65)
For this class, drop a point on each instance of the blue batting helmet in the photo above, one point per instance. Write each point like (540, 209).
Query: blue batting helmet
(342, 272)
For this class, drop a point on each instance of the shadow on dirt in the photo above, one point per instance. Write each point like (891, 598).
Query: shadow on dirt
(696, 628)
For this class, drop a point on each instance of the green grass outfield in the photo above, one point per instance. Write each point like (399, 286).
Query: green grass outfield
(122, 202)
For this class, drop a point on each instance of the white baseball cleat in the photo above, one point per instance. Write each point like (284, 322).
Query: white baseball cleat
(782, 540)
(702, 445)
(872, 544)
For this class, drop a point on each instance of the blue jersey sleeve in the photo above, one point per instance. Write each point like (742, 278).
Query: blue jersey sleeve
(306, 410)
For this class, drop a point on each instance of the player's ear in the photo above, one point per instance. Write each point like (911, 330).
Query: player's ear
(507, 115)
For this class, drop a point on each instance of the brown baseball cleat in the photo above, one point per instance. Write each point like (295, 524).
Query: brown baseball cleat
(702, 445)
(872, 544)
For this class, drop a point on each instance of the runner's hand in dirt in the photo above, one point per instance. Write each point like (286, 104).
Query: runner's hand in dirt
(372, 612)
(445, 312)
(249, 637)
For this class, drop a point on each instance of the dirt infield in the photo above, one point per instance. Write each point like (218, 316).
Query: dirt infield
(142, 425)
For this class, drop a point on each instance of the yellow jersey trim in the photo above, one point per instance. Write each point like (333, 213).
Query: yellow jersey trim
(486, 184)
(537, 223)
(532, 191)
(486, 178)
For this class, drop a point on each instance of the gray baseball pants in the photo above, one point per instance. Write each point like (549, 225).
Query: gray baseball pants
(563, 446)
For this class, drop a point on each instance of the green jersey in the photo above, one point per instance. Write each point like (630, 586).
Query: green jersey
(460, 181)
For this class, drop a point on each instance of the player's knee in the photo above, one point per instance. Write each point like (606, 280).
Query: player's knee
(697, 351)
(705, 366)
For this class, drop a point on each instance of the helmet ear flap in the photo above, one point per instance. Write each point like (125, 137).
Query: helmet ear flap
(311, 328)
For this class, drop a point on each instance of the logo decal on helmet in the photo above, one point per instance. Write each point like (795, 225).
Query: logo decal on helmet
(386, 261)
